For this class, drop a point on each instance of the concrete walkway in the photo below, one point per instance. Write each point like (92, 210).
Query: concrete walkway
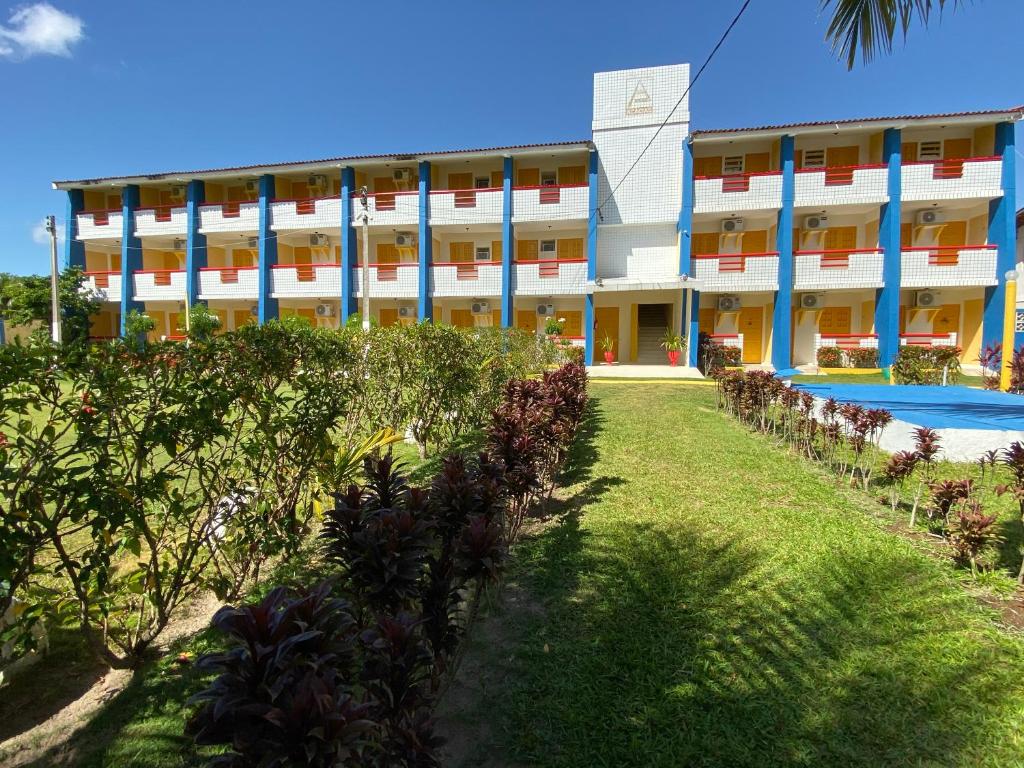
(643, 372)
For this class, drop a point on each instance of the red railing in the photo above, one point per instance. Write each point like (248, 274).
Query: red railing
(161, 277)
(306, 273)
(737, 182)
(549, 268)
(466, 270)
(848, 340)
(100, 216)
(838, 175)
(946, 255)
(305, 205)
(389, 271)
(231, 209)
(385, 201)
(550, 194)
(835, 258)
(101, 277)
(161, 212)
(464, 198)
(733, 262)
(923, 339)
(228, 275)
(951, 168)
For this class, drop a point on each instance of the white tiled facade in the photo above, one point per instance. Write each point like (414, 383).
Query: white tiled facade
(622, 234)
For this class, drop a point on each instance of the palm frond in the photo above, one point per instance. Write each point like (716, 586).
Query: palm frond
(869, 27)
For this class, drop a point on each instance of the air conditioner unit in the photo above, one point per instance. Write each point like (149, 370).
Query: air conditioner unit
(254, 310)
(325, 310)
(930, 216)
(925, 299)
(319, 241)
(545, 310)
(809, 301)
(483, 253)
(481, 308)
(816, 222)
(402, 175)
(252, 187)
(178, 193)
(317, 184)
(732, 225)
(254, 243)
(405, 239)
(728, 303)
(548, 247)
(407, 312)
(180, 243)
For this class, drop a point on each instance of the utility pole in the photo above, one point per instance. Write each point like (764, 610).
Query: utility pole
(366, 258)
(51, 228)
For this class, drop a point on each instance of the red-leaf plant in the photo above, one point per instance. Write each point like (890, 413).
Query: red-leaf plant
(1013, 458)
(926, 447)
(970, 531)
(900, 466)
(946, 493)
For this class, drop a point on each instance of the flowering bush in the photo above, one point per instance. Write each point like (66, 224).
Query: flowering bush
(926, 365)
(862, 357)
(830, 357)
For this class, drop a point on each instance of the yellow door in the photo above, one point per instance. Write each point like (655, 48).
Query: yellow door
(460, 181)
(496, 250)
(388, 316)
(952, 236)
(756, 162)
(956, 148)
(528, 177)
(462, 318)
(527, 250)
(526, 320)
(496, 318)
(837, 157)
(569, 248)
(222, 315)
(971, 339)
(834, 320)
(606, 323)
(947, 319)
(572, 174)
(867, 317)
(387, 253)
(497, 179)
(751, 325)
(755, 241)
(242, 317)
(706, 320)
(704, 243)
(707, 166)
(634, 330)
(460, 252)
(908, 152)
(573, 325)
(309, 313)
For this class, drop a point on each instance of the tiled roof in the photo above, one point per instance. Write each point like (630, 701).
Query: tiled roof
(399, 157)
(1014, 112)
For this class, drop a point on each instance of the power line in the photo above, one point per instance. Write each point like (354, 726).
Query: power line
(668, 117)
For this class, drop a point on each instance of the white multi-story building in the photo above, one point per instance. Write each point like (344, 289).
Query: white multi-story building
(777, 239)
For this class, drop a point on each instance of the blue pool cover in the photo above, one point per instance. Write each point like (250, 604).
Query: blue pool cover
(935, 407)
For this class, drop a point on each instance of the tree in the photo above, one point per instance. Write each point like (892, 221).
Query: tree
(870, 26)
(26, 299)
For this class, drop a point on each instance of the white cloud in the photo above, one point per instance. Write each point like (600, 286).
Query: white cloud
(39, 29)
(41, 236)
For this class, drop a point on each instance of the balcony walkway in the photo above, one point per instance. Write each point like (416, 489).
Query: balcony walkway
(628, 371)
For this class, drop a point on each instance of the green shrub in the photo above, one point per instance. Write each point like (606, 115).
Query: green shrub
(830, 357)
(863, 357)
(926, 365)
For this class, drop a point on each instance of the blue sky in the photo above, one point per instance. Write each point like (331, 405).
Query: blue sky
(123, 87)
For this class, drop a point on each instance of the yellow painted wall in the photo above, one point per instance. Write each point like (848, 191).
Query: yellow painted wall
(977, 230)
(216, 257)
(985, 141)
(970, 338)
(875, 148)
(285, 253)
(214, 193)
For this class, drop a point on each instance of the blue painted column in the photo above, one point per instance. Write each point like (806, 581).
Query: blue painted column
(1002, 233)
(74, 249)
(131, 253)
(349, 245)
(426, 306)
(267, 307)
(3, 336)
(690, 325)
(195, 241)
(588, 304)
(782, 319)
(887, 298)
(508, 243)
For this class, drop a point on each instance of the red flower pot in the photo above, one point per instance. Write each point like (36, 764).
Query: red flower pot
(673, 357)
(609, 358)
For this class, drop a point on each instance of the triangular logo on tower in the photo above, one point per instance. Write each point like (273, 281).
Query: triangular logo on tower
(640, 103)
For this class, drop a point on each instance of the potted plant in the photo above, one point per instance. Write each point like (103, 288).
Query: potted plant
(608, 347)
(673, 344)
(553, 327)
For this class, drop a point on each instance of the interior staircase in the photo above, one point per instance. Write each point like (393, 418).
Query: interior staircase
(652, 321)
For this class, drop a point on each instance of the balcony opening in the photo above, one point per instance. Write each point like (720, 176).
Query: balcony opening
(230, 210)
(549, 192)
(101, 218)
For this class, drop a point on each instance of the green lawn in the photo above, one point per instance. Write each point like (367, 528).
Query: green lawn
(707, 599)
